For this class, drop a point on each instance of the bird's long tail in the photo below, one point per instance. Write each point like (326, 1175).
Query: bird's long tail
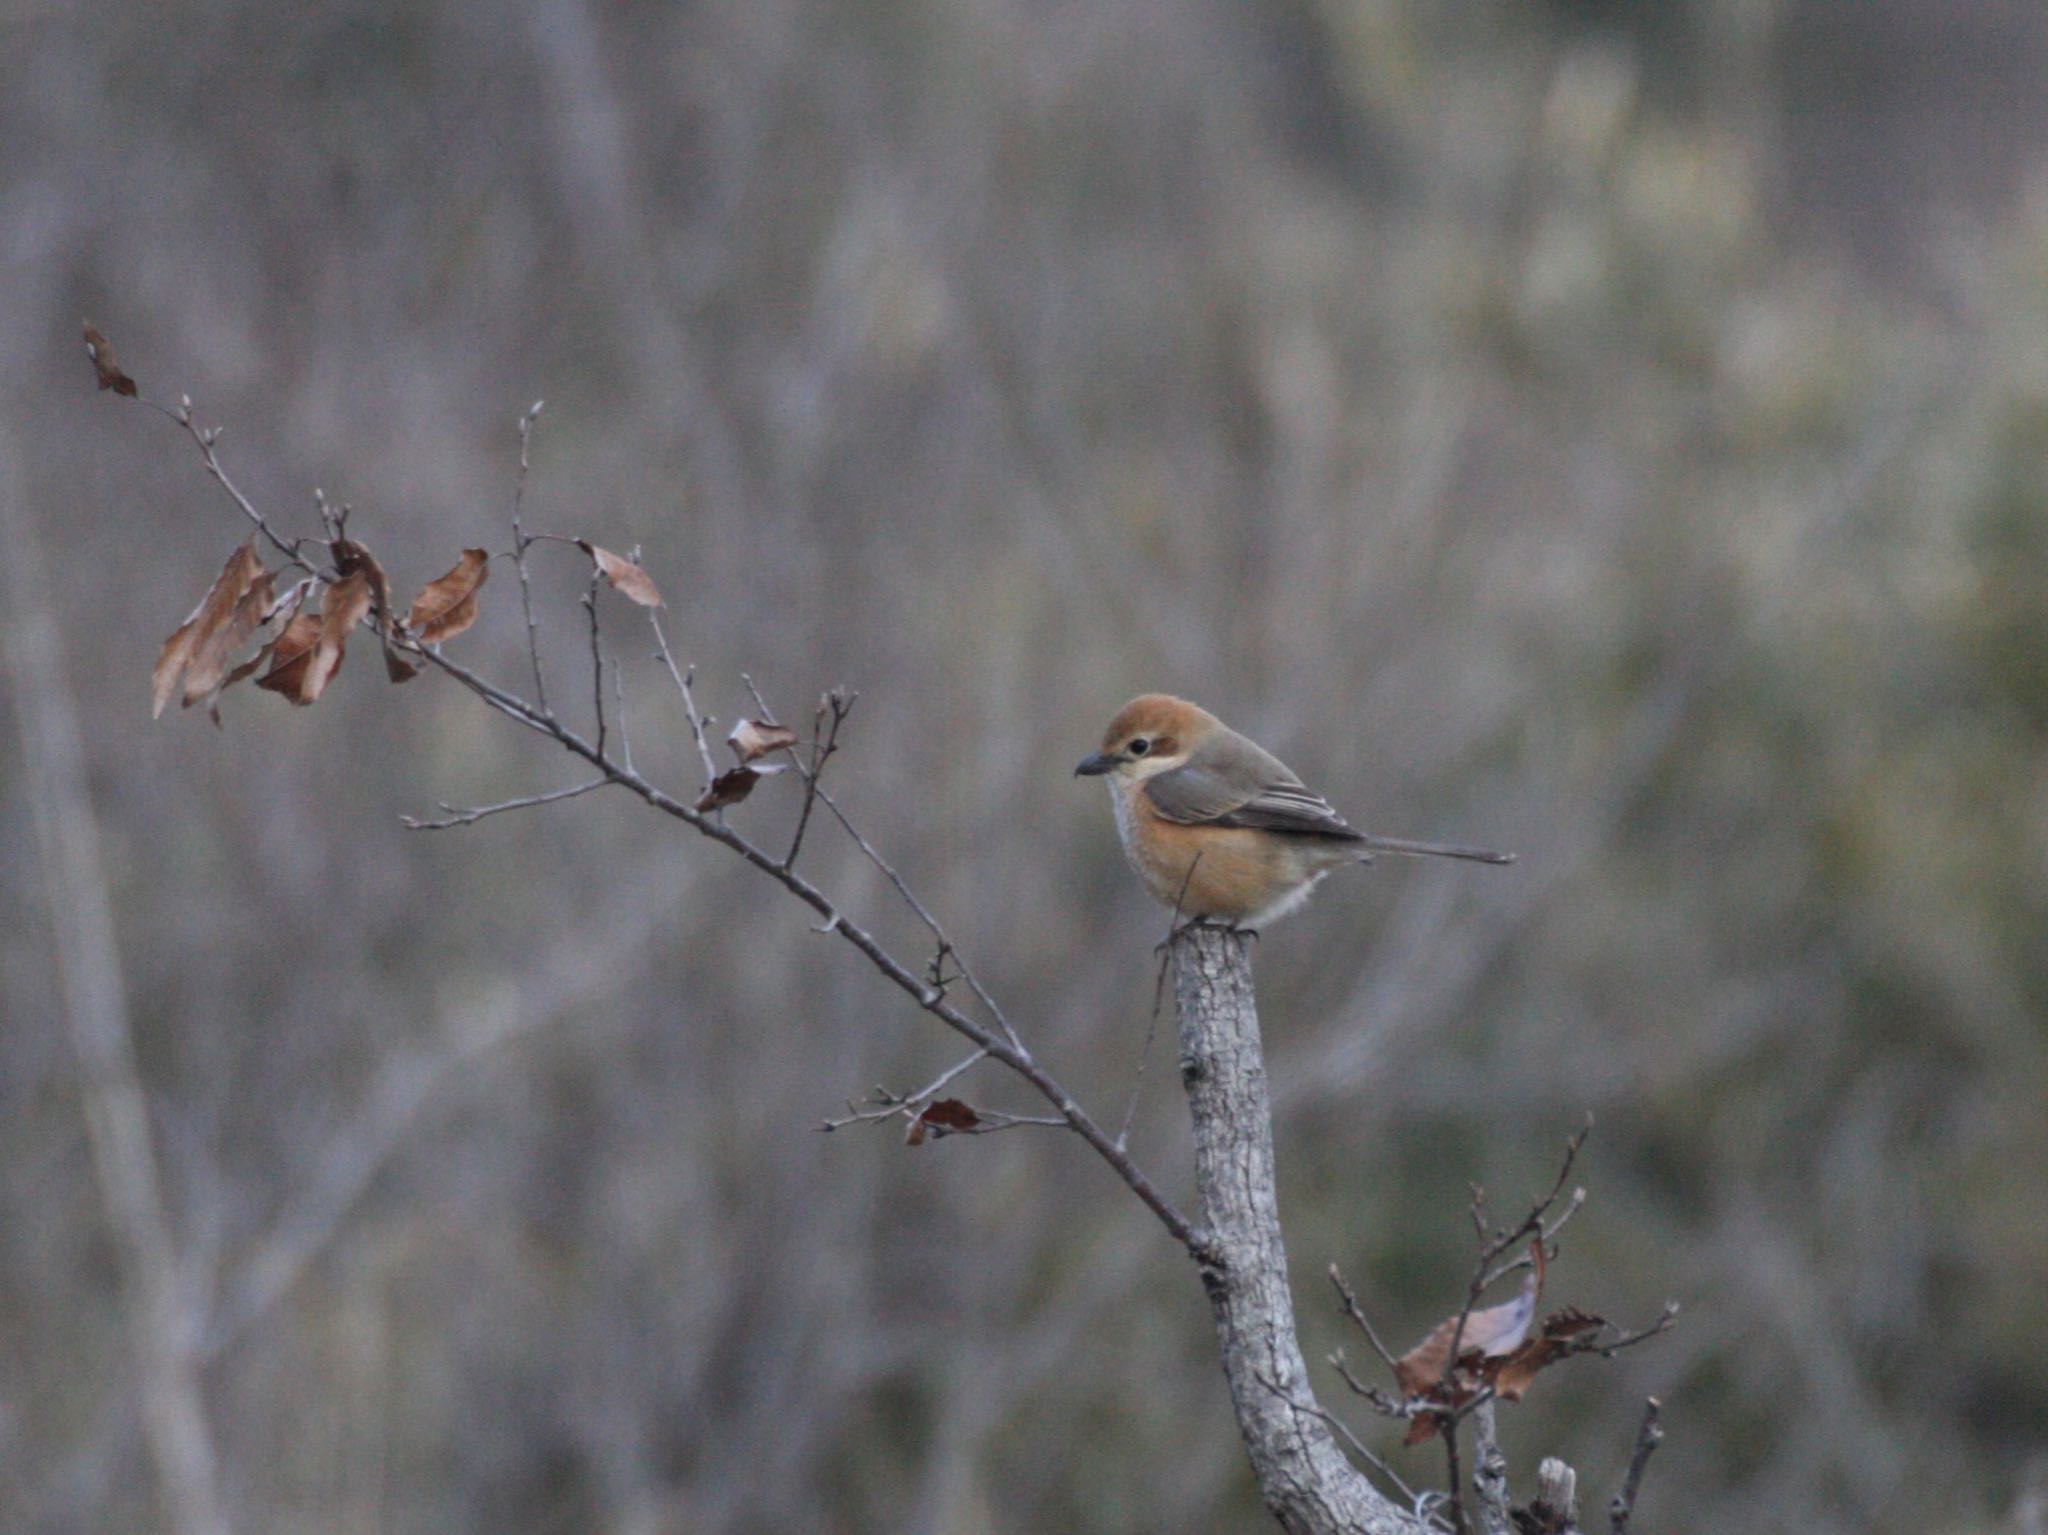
(1433, 849)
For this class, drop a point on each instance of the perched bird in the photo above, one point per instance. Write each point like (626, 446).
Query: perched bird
(1218, 827)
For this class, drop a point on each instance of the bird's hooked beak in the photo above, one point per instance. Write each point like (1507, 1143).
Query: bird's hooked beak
(1096, 766)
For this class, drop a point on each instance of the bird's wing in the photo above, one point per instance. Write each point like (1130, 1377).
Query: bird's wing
(1237, 783)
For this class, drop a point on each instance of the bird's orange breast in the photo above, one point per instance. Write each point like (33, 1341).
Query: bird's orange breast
(1227, 872)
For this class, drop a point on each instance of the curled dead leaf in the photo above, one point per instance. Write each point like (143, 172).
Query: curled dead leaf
(101, 351)
(351, 558)
(447, 605)
(1510, 1376)
(196, 655)
(1491, 1332)
(943, 1117)
(277, 624)
(291, 653)
(309, 652)
(751, 739)
(628, 579)
(728, 788)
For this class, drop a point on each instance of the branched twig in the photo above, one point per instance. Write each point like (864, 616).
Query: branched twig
(1381, 1402)
(1648, 1437)
(1357, 1314)
(464, 817)
(884, 1104)
(902, 889)
(825, 722)
(1491, 1252)
(1000, 1042)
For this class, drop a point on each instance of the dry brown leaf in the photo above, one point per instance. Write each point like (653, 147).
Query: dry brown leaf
(207, 672)
(1510, 1377)
(1490, 1333)
(291, 653)
(101, 351)
(728, 788)
(279, 621)
(628, 579)
(946, 1115)
(197, 652)
(351, 558)
(751, 739)
(301, 667)
(448, 604)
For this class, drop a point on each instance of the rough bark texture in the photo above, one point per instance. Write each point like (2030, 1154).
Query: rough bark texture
(1302, 1473)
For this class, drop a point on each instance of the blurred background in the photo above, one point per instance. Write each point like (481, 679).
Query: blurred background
(1615, 432)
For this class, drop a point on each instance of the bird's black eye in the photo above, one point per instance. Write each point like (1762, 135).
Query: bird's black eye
(1139, 747)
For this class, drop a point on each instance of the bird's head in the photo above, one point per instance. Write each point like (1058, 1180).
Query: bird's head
(1153, 733)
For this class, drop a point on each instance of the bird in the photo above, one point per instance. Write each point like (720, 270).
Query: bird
(1219, 828)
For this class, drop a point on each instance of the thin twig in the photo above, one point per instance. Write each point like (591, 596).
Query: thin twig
(1357, 1314)
(519, 544)
(909, 897)
(1343, 1431)
(619, 712)
(466, 817)
(690, 711)
(1455, 1503)
(1383, 1404)
(205, 438)
(1490, 1252)
(1648, 1437)
(888, 1105)
(1515, 1265)
(988, 1121)
(825, 722)
(596, 657)
(1123, 1130)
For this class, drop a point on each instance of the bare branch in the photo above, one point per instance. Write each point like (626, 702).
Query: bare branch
(205, 438)
(596, 658)
(887, 1105)
(519, 546)
(1648, 1437)
(1483, 1271)
(902, 889)
(690, 710)
(825, 722)
(1000, 1043)
(1381, 1402)
(466, 817)
(1357, 1314)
